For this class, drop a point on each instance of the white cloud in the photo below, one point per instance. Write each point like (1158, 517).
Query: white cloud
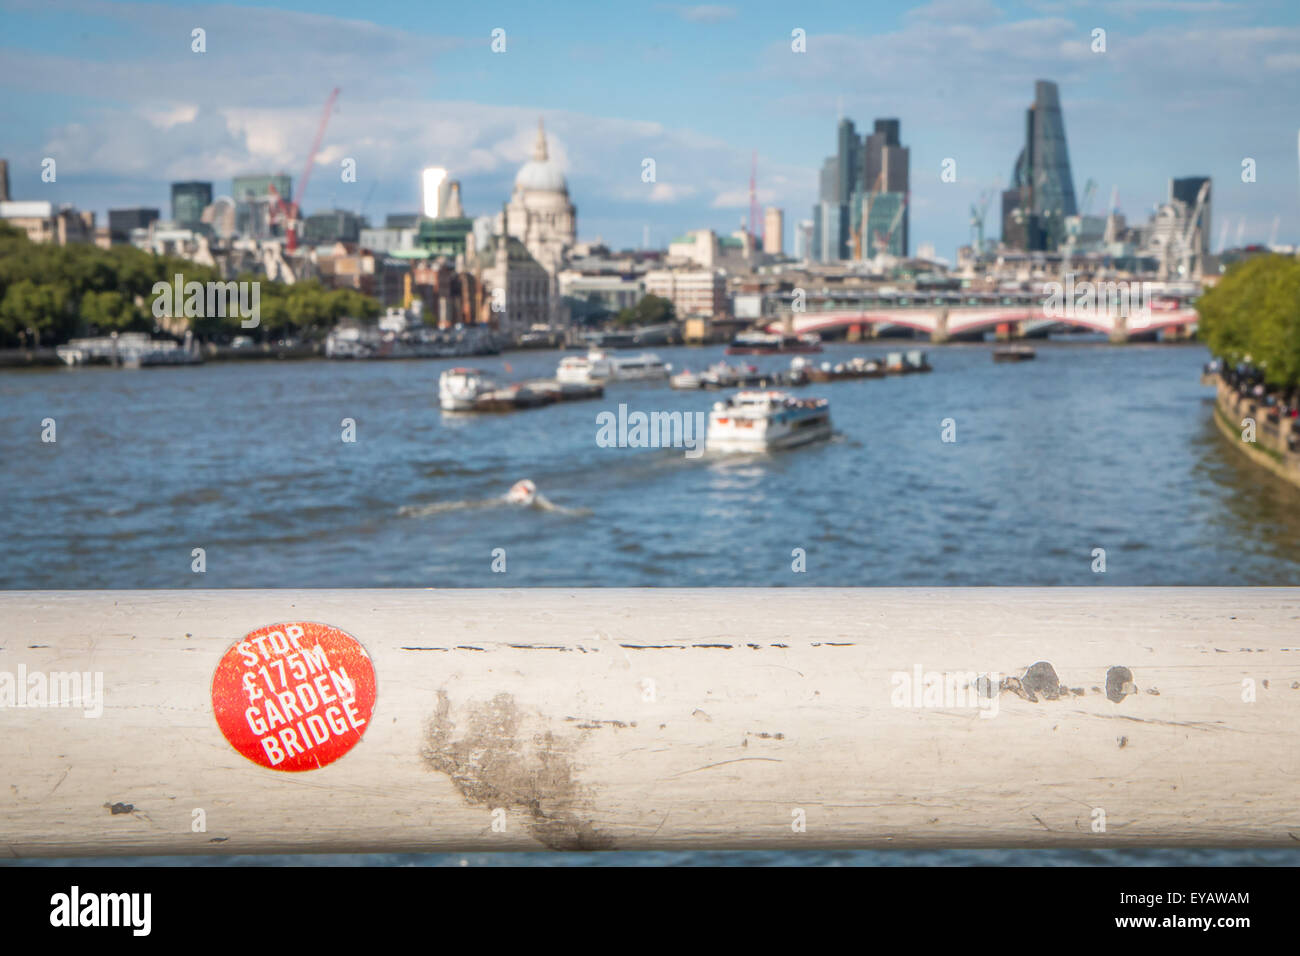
(671, 192)
(169, 116)
(706, 13)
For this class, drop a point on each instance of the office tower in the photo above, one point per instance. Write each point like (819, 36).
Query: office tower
(252, 195)
(336, 225)
(828, 195)
(433, 188)
(885, 169)
(1042, 187)
(4, 180)
(832, 220)
(885, 133)
(122, 221)
(773, 231)
(803, 233)
(828, 190)
(848, 161)
(1187, 190)
(188, 202)
(884, 215)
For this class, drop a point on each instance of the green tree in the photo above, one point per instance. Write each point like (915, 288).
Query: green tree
(651, 310)
(109, 311)
(42, 308)
(1253, 315)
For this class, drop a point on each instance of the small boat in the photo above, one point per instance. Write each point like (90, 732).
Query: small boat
(567, 391)
(646, 367)
(761, 421)
(686, 379)
(1013, 353)
(769, 343)
(904, 363)
(460, 388)
(859, 367)
(597, 366)
(512, 398)
(801, 370)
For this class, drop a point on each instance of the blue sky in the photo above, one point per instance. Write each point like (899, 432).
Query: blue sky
(113, 92)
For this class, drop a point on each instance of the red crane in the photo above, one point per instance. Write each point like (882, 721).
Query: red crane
(292, 210)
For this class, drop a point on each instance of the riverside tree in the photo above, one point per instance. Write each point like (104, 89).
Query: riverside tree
(51, 293)
(1253, 315)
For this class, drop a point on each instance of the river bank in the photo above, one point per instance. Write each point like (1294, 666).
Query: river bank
(49, 358)
(1271, 447)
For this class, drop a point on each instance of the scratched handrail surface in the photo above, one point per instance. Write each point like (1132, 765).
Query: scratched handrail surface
(647, 719)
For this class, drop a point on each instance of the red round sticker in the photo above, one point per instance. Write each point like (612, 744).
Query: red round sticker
(294, 696)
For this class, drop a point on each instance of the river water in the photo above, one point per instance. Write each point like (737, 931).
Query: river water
(1089, 446)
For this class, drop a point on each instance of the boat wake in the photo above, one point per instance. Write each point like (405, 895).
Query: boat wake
(522, 494)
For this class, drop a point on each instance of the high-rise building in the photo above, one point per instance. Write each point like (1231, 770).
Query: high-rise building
(828, 186)
(828, 194)
(885, 169)
(336, 225)
(803, 233)
(773, 231)
(188, 202)
(884, 216)
(4, 180)
(885, 133)
(1042, 187)
(832, 219)
(122, 221)
(848, 165)
(259, 186)
(433, 189)
(838, 188)
(252, 195)
(1187, 190)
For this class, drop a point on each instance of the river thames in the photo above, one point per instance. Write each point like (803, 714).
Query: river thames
(1088, 447)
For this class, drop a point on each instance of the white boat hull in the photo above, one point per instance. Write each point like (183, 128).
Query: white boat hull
(761, 440)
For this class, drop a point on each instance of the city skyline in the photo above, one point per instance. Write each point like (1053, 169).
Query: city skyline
(696, 88)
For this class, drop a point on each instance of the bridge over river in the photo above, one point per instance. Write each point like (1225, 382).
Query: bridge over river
(949, 318)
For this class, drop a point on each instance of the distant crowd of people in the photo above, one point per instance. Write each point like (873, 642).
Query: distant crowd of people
(1247, 380)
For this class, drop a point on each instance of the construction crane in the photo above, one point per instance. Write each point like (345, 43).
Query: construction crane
(977, 213)
(292, 211)
(1089, 190)
(754, 226)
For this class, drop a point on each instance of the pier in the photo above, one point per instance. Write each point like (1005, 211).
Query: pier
(658, 719)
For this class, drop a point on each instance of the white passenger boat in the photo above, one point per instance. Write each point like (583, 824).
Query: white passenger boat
(460, 388)
(759, 421)
(686, 379)
(597, 366)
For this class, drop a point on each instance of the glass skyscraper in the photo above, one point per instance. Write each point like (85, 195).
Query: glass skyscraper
(862, 168)
(188, 202)
(1042, 186)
